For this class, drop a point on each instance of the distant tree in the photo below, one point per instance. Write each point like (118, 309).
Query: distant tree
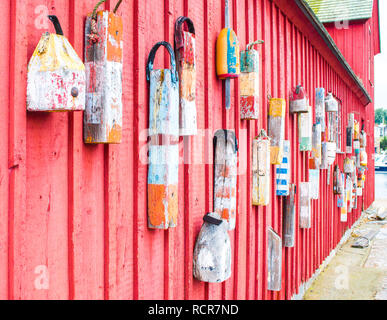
(383, 143)
(380, 116)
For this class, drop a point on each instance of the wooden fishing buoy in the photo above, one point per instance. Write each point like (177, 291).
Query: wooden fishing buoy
(104, 63)
(316, 146)
(314, 183)
(261, 170)
(227, 55)
(341, 200)
(212, 253)
(331, 152)
(305, 209)
(298, 100)
(164, 137)
(56, 75)
(249, 83)
(350, 133)
(349, 186)
(363, 139)
(360, 184)
(354, 189)
(338, 182)
(185, 49)
(305, 123)
(289, 224)
(331, 104)
(328, 154)
(349, 165)
(320, 108)
(344, 207)
(226, 157)
(324, 156)
(274, 261)
(277, 112)
(282, 172)
(363, 158)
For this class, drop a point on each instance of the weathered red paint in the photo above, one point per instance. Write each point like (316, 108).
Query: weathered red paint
(82, 210)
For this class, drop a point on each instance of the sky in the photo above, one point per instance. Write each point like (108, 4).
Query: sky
(381, 60)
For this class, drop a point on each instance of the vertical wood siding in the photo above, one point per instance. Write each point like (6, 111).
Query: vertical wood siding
(79, 212)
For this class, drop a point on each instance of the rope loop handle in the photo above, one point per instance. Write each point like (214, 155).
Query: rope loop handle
(117, 6)
(56, 23)
(263, 135)
(179, 30)
(151, 58)
(94, 15)
(212, 220)
(250, 45)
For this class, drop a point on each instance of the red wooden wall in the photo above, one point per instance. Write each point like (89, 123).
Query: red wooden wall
(74, 217)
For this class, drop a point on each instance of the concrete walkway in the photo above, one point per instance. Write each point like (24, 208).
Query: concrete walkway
(354, 273)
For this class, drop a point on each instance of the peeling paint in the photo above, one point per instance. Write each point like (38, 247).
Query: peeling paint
(212, 253)
(54, 71)
(249, 85)
(163, 169)
(104, 59)
(305, 209)
(305, 123)
(320, 108)
(289, 225)
(186, 62)
(298, 100)
(261, 170)
(331, 104)
(314, 183)
(274, 261)
(277, 112)
(227, 54)
(225, 176)
(316, 146)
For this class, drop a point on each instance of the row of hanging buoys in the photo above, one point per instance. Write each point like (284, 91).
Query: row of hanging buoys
(212, 253)
(104, 64)
(349, 184)
(59, 81)
(172, 113)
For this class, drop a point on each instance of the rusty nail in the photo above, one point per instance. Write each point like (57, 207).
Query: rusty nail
(74, 92)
